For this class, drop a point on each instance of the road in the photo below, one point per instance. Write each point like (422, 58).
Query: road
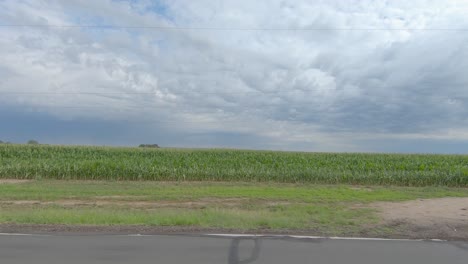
(84, 249)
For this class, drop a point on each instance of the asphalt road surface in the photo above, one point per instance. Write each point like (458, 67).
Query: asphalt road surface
(196, 249)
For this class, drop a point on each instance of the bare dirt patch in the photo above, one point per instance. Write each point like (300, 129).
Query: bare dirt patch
(13, 181)
(197, 204)
(139, 229)
(426, 211)
(120, 197)
(429, 218)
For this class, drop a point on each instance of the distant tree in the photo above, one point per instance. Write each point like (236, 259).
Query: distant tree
(148, 146)
(33, 142)
(1, 142)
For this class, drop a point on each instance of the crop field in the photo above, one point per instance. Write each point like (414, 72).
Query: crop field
(105, 163)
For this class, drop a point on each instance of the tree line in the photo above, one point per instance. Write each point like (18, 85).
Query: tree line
(29, 142)
(35, 142)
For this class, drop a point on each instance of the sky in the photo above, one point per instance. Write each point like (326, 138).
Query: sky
(299, 75)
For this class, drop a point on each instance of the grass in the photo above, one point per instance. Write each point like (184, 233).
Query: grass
(49, 190)
(331, 209)
(104, 163)
(298, 217)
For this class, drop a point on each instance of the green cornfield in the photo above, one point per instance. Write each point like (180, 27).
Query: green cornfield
(109, 163)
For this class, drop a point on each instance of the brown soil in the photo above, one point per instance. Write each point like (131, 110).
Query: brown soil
(12, 181)
(139, 229)
(202, 203)
(426, 211)
(445, 218)
(123, 201)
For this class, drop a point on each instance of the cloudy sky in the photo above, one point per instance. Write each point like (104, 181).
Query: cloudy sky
(331, 75)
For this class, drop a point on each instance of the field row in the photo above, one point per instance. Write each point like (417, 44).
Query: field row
(104, 163)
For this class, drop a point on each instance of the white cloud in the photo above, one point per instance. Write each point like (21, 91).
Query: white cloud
(327, 88)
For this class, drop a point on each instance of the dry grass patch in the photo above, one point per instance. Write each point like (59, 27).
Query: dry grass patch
(192, 204)
(13, 181)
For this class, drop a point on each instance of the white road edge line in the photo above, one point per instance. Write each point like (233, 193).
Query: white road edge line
(322, 237)
(260, 236)
(20, 234)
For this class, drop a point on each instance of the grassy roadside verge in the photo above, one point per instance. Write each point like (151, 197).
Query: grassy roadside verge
(332, 209)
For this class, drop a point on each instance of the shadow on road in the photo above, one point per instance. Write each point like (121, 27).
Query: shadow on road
(234, 257)
(461, 245)
(234, 253)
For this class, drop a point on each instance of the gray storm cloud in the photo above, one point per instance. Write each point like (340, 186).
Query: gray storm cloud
(375, 69)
